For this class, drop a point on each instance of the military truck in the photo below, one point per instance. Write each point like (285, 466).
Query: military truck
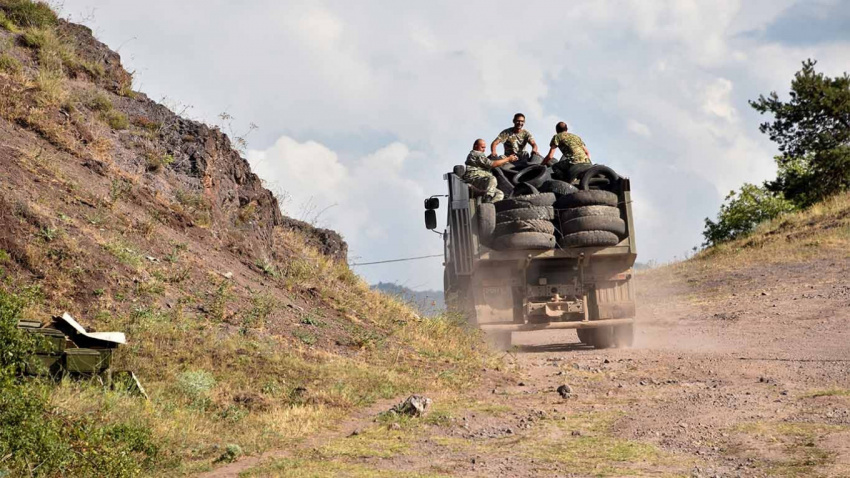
(589, 289)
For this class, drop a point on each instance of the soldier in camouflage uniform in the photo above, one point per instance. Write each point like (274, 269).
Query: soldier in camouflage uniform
(572, 147)
(478, 174)
(515, 139)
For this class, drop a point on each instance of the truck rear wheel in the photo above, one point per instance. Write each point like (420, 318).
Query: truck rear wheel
(583, 336)
(602, 337)
(624, 335)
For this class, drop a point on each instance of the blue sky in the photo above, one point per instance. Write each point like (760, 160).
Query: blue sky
(363, 105)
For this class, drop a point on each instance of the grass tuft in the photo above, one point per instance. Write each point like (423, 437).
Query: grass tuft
(27, 13)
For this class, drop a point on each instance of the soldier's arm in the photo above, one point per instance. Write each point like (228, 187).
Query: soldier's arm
(533, 144)
(506, 159)
(550, 155)
(586, 152)
(494, 144)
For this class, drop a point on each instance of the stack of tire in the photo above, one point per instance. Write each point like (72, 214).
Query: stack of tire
(590, 218)
(540, 211)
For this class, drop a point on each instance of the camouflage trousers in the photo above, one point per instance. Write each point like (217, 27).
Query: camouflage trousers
(486, 186)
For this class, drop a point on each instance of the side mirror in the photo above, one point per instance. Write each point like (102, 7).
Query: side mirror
(430, 219)
(432, 203)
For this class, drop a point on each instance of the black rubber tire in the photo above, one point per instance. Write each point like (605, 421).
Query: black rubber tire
(526, 213)
(529, 225)
(524, 240)
(535, 158)
(576, 170)
(586, 198)
(530, 200)
(595, 223)
(535, 175)
(602, 337)
(502, 182)
(559, 188)
(589, 239)
(624, 335)
(600, 183)
(486, 223)
(584, 336)
(597, 170)
(589, 211)
(525, 189)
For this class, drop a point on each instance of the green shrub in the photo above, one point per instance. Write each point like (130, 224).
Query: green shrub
(9, 64)
(6, 23)
(155, 162)
(116, 119)
(26, 13)
(195, 384)
(38, 440)
(742, 212)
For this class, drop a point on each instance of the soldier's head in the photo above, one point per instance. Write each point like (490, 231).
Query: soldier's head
(561, 127)
(479, 145)
(519, 121)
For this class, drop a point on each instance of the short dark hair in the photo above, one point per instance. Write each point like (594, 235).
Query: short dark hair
(518, 115)
(561, 127)
(476, 142)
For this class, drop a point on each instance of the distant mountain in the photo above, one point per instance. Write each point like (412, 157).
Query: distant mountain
(428, 302)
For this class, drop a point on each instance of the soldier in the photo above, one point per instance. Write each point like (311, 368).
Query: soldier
(478, 174)
(515, 139)
(571, 146)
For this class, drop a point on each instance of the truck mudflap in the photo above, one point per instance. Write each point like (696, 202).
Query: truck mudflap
(578, 324)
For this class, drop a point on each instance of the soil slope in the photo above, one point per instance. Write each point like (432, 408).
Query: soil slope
(741, 367)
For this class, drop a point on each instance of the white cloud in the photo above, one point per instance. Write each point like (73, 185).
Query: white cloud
(716, 99)
(381, 101)
(369, 199)
(638, 128)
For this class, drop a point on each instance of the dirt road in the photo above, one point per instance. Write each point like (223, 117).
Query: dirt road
(732, 374)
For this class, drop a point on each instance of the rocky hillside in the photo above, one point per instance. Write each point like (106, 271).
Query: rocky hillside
(247, 327)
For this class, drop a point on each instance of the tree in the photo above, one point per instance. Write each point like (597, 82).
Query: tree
(742, 212)
(813, 133)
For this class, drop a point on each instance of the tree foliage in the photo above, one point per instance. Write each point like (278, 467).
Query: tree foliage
(813, 134)
(743, 211)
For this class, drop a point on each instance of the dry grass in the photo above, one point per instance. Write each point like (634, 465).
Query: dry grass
(821, 230)
(220, 362)
(798, 443)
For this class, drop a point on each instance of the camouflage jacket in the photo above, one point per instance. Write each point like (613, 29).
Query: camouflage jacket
(571, 146)
(478, 165)
(514, 142)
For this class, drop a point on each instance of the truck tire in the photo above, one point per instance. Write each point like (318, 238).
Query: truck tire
(589, 211)
(594, 223)
(529, 225)
(535, 175)
(587, 198)
(525, 189)
(624, 335)
(602, 337)
(574, 171)
(535, 158)
(486, 223)
(559, 188)
(526, 213)
(526, 201)
(583, 336)
(589, 239)
(597, 171)
(502, 182)
(524, 240)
